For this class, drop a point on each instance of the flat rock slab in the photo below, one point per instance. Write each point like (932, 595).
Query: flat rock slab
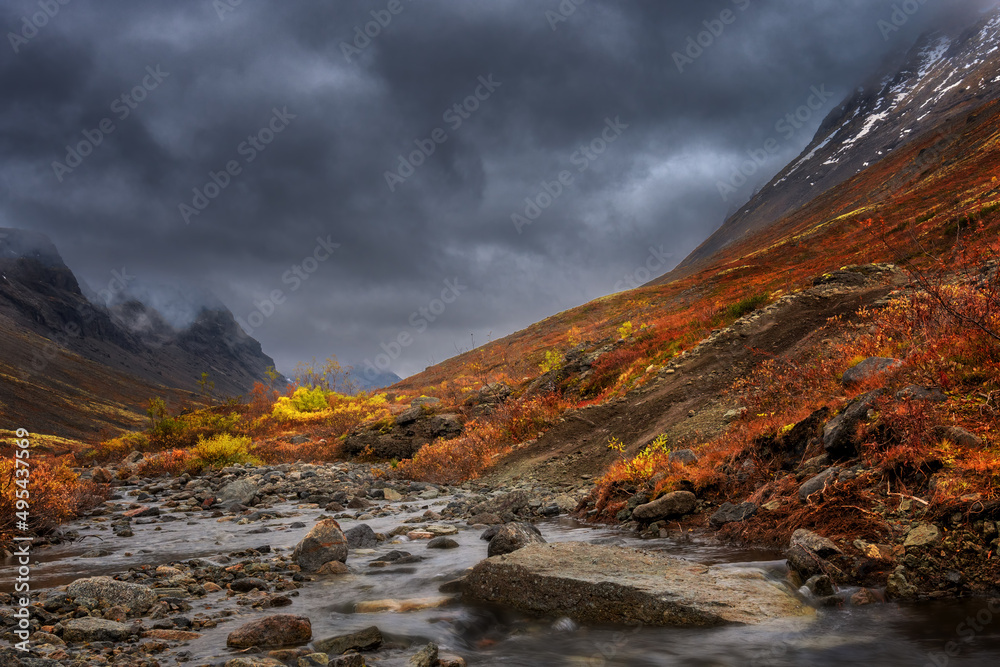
(620, 585)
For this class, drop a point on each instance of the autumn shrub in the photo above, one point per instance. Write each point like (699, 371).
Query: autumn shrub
(116, 449)
(484, 441)
(172, 462)
(223, 450)
(54, 495)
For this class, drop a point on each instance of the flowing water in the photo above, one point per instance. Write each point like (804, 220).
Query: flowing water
(882, 634)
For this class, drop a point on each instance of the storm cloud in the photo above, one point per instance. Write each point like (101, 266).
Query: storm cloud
(405, 177)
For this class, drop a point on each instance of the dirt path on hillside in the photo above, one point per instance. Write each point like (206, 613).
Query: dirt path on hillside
(575, 450)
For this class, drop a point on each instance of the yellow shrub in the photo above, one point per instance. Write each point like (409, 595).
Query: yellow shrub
(224, 450)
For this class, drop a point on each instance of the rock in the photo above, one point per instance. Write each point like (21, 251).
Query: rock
(363, 640)
(299, 440)
(425, 657)
(915, 393)
(315, 660)
(840, 433)
(922, 535)
(733, 415)
(863, 597)
(425, 400)
(254, 661)
(441, 529)
(957, 435)
(606, 584)
(820, 585)
(671, 505)
(392, 495)
(350, 660)
(485, 519)
(240, 492)
(135, 457)
(400, 606)
(171, 635)
(90, 629)
(442, 542)
(333, 567)
(409, 416)
(142, 512)
(818, 482)
(730, 513)
(248, 584)
(361, 537)
(449, 660)
(804, 562)
(512, 537)
(276, 630)
(685, 456)
(817, 544)
(897, 587)
(324, 543)
(135, 598)
(867, 369)
(102, 476)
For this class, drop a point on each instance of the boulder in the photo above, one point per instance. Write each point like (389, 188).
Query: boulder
(916, 393)
(136, 599)
(818, 482)
(253, 661)
(668, 506)
(922, 535)
(817, 544)
(442, 542)
(869, 368)
(957, 435)
(361, 537)
(684, 456)
(276, 630)
(90, 629)
(512, 537)
(425, 657)
(324, 543)
(102, 476)
(363, 640)
(240, 492)
(619, 585)
(730, 513)
(839, 434)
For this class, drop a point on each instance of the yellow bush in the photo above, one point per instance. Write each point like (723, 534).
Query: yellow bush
(224, 450)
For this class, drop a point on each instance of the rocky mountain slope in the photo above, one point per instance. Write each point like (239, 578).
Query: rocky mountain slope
(945, 74)
(58, 343)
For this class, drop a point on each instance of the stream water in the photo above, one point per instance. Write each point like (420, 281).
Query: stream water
(881, 634)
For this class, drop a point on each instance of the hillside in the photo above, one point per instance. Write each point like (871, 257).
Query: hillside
(75, 369)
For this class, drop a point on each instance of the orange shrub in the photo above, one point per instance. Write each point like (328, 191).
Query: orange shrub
(483, 442)
(55, 495)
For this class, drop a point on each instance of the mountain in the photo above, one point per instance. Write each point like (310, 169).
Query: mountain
(58, 343)
(945, 74)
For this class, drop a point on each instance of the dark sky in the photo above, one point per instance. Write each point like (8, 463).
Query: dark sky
(309, 128)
